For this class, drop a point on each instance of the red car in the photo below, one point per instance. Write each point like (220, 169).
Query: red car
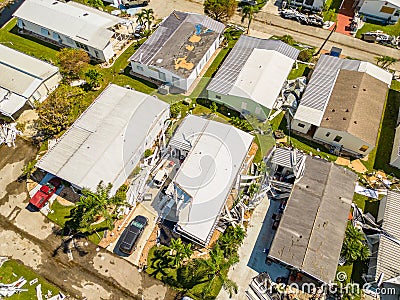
(46, 191)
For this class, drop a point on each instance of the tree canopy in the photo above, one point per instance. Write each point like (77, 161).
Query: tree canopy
(57, 113)
(72, 61)
(220, 10)
(354, 246)
(95, 206)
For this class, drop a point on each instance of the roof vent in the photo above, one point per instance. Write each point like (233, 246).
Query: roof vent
(354, 86)
(85, 14)
(347, 110)
(355, 122)
(344, 119)
(364, 90)
(333, 110)
(55, 2)
(327, 119)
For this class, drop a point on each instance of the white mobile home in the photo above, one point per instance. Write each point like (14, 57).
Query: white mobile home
(24, 79)
(252, 76)
(178, 50)
(395, 157)
(73, 25)
(343, 104)
(108, 139)
(214, 157)
(386, 12)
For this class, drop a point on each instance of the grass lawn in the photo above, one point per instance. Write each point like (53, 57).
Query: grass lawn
(302, 70)
(13, 267)
(389, 29)
(157, 268)
(306, 145)
(27, 44)
(381, 159)
(60, 215)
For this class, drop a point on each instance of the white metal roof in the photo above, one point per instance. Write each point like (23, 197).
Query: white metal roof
(20, 76)
(318, 92)
(255, 69)
(79, 22)
(208, 173)
(105, 142)
(262, 77)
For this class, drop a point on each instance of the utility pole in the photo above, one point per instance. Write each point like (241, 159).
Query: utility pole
(327, 38)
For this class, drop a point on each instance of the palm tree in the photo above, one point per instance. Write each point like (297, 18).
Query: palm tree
(217, 267)
(93, 206)
(140, 17)
(288, 39)
(231, 240)
(354, 247)
(385, 61)
(187, 277)
(179, 251)
(148, 17)
(247, 12)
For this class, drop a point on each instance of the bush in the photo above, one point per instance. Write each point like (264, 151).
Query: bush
(175, 110)
(148, 153)
(306, 55)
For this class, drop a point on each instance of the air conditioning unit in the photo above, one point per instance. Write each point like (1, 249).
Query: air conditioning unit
(163, 89)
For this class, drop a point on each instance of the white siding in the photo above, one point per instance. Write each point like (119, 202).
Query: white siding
(65, 41)
(348, 141)
(297, 125)
(372, 9)
(395, 159)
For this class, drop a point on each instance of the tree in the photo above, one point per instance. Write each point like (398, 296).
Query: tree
(306, 55)
(94, 78)
(148, 152)
(354, 247)
(95, 3)
(175, 110)
(288, 39)
(56, 113)
(140, 17)
(72, 61)
(213, 107)
(217, 267)
(247, 12)
(220, 10)
(148, 17)
(94, 206)
(179, 251)
(187, 277)
(385, 61)
(29, 169)
(230, 241)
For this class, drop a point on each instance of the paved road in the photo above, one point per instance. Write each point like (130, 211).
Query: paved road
(32, 239)
(272, 24)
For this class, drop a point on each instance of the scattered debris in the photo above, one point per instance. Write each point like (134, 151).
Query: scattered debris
(3, 259)
(304, 19)
(382, 38)
(8, 290)
(8, 134)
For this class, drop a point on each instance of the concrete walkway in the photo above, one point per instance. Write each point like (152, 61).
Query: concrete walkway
(252, 252)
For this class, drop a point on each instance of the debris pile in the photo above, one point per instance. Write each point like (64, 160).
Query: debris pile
(382, 38)
(8, 134)
(313, 20)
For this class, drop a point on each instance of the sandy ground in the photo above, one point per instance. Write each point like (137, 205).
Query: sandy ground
(32, 239)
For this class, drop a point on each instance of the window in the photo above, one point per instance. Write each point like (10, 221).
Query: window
(96, 53)
(387, 10)
(327, 134)
(218, 97)
(20, 24)
(301, 125)
(337, 139)
(44, 31)
(57, 37)
(364, 148)
(37, 95)
(140, 68)
(244, 105)
(174, 79)
(69, 40)
(82, 46)
(161, 75)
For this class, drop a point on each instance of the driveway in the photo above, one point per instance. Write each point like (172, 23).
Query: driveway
(94, 273)
(252, 253)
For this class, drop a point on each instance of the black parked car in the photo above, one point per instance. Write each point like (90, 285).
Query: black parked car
(132, 234)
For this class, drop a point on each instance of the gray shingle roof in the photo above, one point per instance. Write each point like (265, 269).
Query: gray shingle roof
(311, 231)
